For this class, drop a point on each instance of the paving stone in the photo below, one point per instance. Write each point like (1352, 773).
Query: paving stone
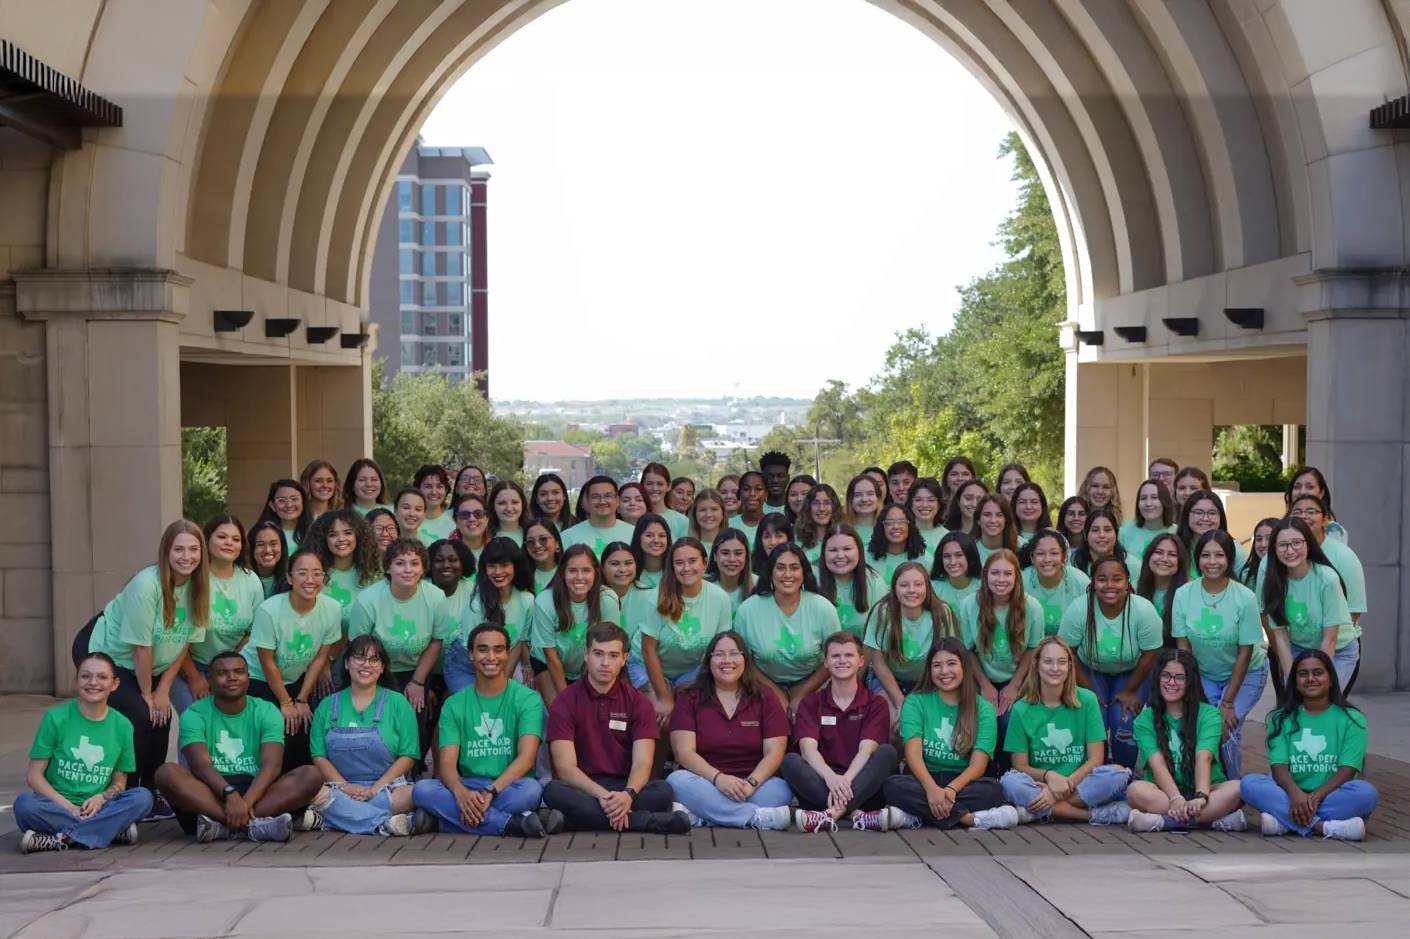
(582, 846)
(634, 847)
(1322, 901)
(433, 879)
(126, 919)
(388, 914)
(724, 843)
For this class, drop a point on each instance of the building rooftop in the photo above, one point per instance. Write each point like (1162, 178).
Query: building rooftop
(554, 448)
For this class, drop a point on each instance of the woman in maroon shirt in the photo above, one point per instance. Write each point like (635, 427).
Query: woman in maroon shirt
(729, 735)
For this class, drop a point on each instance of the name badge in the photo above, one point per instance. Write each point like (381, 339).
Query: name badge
(616, 725)
(828, 720)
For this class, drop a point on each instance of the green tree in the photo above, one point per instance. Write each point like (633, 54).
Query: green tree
(1250, 454)
(204, 489)
(611, 459)
(426, 418)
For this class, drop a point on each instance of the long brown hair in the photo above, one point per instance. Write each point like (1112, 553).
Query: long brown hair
(669, 601)
(750, 685)
(198, 610)
(306, 477)
(562, 605)
(887, 614)
(1017, 621)
(1033, 684)
(966, 727)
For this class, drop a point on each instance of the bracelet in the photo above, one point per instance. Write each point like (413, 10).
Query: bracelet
(717, 777)
(301, 700)
(951, 788)
(416, 681)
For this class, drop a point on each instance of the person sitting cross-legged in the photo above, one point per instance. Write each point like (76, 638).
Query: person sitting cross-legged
(489, 737)
(602, 738)
(844, 756)
(78, 768)
(234, 746)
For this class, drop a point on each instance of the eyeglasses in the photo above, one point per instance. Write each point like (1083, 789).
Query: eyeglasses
(602, 497)
(720, 655)
(1308, 512)
(542, 541)
(894, 523)
(1170, 678)
(470, 515)
(1204, 513)
(1297, 545)
(368, 659)
(288, 502)
(315, 576)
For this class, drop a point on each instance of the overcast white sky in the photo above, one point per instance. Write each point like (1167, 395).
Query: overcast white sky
(730, 196)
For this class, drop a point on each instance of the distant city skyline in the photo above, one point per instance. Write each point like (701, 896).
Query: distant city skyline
(776, 172)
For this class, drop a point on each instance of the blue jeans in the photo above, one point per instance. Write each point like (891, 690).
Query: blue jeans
(1105, 784)
(181, 696)
(34, 812)
(1344, 661)
(1250, 691)
(640, 678)
(1121, 745)
(459, 672)
(520, 796)
(1354, 799)
(355, 817)
(716, 808)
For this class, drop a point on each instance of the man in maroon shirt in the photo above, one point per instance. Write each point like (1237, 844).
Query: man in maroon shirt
(843, 757)
(602, 738)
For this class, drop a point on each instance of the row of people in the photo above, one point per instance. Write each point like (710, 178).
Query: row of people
(730, 738)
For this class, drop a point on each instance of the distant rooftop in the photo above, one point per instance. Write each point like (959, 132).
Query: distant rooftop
(554, 448)
(475, 156)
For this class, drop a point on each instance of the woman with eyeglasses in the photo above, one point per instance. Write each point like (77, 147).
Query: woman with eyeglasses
(895, 541)
(1216, 619)
(287, 505)
(1315, 514)
(288, 649)
(1204, 511)
(543, 546)
(926, 500)
(1309, 481)
(1178, 737)
(1305, 601)
(820, 510)
(365, 741)
(1316, 754)
(472, 521)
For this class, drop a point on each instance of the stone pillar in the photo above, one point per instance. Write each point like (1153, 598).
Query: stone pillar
(1358, 434)
(1105, 420)
(334, 414)
(112, 341)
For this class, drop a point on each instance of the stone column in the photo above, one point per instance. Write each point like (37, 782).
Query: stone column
(1105, 422)
(112, 341)
(1358, 434)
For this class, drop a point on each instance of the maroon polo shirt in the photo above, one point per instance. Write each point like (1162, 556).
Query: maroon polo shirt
(733, 745)
(839, 733)
(602, 727)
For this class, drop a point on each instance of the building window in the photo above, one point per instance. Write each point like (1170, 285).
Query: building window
(455, 354)
(455, 233)
(455, 263)
(428, 263)
(408, 292)
(455, 293)
(405, 230)
(428, 354)
(408, 353)
(428, 233)
(404, 196)
(408, 323)
(428, 324)
(457, 325)
(428, 295)
(406, 261)
(428, 200)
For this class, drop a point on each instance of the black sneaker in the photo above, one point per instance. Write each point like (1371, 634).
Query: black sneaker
(161, 811)
(523, 826)
(552, 821)
(424, 823)
(668, 823)
(34, 841)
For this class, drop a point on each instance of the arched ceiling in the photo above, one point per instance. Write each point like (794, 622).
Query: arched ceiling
(1163, 131)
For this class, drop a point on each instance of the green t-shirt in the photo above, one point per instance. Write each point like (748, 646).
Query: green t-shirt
(343, 586)
(83, 754)
(1209, 731)
(928, 717)
(599, 538)
(570, 643)
(750, 531)
(1216, 630)
(363, 512)
(294, 638)
(1055, 738)
(405, 627)
(134, 618)
(291, 540)
(886, 565)
(1055, 600)
(1313, 603)
(917, 636)
(677, 522)
(953, 595)
(1001, 661)
(786, 648)
(515, 535)
(848, 616)
(397, 728)
(1136, 539)
(932, 536)
(267, 584)
(681, 645)
(518, 613)
(1348, 565)
(487, 730)
(232, 739)
(1117, 650)
(233, 603)
(638, 605)
(541, 578)
(1321, 745)
(436, 528)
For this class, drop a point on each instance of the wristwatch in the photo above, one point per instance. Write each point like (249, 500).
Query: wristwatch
(1200, 795)
(752, 781)
(631, 792)
(228, 791)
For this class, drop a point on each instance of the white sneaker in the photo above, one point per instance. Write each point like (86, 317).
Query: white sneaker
(772, 818)
(1005, 816)
(1144, 821)
(1234, 821)
(208, 830)
(1025, 817)
(695, 820)
(127, 836)
(396, 826)
(1344, 829)
(898, 818)
(1271, 826)
(34, 841)
(1113, 813)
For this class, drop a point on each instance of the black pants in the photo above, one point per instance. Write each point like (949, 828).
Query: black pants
(907, 794)
(149, 744)
(584, 813)
(812, 793)
(429, 716)
(187, 820)
(296, 752)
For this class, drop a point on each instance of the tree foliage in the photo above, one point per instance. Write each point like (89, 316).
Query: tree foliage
(204, 489)
(427, 418)
(1251, 455)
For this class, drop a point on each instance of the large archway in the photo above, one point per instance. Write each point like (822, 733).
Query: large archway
(1200, 159)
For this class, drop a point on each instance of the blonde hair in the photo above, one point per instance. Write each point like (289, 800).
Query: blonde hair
(1033, 684)
(1115, 503)
(1016, 622)
(198, 610)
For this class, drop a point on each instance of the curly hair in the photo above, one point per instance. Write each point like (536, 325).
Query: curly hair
(367, 557)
